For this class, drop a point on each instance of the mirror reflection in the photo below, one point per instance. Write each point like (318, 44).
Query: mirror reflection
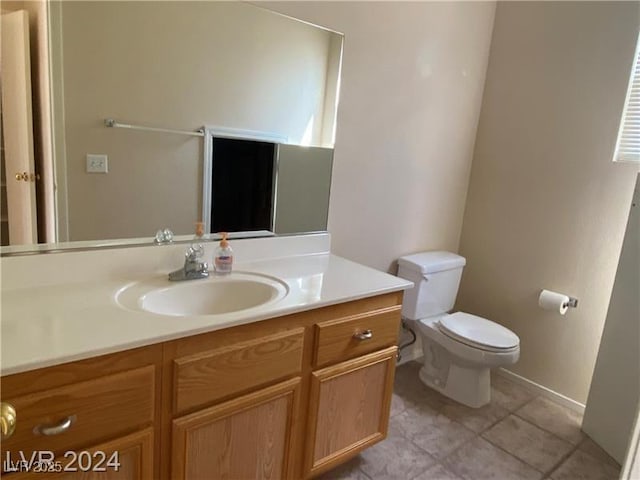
(227, 71)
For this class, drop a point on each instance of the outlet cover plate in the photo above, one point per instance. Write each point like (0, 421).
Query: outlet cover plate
(97, 163)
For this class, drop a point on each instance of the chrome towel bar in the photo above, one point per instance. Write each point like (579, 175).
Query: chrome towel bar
(110, 122)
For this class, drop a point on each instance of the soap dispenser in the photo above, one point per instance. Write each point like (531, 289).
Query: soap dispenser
(199, 231)
(196, 245)
(223, 259)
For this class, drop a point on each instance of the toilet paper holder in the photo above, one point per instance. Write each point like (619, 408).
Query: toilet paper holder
(556, 302)
(573, 302)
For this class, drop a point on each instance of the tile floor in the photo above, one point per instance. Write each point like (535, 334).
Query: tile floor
(517, 436)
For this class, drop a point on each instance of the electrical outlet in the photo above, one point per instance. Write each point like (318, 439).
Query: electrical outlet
(97, 163)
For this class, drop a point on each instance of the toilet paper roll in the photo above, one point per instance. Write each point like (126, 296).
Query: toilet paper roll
(554, 301)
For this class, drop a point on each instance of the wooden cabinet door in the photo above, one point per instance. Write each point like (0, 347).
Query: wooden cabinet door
(250, 437)
(133, 461)
(349, 408)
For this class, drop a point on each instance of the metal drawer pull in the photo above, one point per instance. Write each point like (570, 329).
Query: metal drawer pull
(49, 431)
(366, 335)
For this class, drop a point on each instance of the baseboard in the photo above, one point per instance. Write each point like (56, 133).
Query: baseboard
(542, 390)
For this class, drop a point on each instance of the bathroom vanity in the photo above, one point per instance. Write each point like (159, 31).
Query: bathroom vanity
(286, 389)
(283, 369)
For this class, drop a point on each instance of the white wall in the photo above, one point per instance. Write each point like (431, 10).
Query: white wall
(411, 88)
(547, 207)
(615, 388)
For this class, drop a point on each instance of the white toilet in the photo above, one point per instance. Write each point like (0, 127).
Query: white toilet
(459, 348)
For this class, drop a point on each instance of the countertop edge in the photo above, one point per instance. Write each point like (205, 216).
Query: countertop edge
(276, 313)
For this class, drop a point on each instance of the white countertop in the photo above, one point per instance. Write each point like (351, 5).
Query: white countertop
(54, 323)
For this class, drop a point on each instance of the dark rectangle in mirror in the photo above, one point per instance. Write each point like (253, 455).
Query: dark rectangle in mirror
(242, 185)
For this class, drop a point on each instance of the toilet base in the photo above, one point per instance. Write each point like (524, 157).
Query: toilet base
(459, 371)
(469, 386)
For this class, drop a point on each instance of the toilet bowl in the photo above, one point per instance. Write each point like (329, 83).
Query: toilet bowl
(459, 348)
(459, 366)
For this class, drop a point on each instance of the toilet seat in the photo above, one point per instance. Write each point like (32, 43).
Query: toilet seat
(478, 332)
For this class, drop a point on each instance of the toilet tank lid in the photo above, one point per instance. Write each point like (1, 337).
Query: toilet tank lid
(432, 262)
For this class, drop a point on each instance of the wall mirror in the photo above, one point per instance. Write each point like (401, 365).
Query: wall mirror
(144, 94)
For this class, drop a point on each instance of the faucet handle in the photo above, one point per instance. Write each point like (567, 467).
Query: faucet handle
(194, 252)
(163, 236)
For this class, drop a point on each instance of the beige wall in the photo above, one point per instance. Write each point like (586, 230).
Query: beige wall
(615, 389)
(546, 207)
(225, 64)
(411, 87)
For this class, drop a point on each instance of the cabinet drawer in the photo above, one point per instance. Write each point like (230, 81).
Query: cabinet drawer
(349, 337)
(214, 374)
(94, 409)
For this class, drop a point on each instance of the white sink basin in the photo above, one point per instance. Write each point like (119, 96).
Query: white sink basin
(215, 295)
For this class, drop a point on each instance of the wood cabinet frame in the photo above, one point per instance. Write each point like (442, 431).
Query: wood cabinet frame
(184, 425)
(291, 344)
(140, 443)
(319, 379)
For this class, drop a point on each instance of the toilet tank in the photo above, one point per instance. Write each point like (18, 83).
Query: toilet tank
(436, 276)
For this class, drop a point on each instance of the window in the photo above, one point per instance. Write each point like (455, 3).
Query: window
(628, 145)
(243, 185)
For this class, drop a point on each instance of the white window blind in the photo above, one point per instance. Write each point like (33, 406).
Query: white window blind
(628, 146)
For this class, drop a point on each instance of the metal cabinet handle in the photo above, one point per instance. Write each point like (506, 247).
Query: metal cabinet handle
(51, 430)
(365, 335)
(8, 420)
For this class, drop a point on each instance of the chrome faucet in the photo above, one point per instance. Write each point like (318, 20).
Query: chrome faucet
(193, 268)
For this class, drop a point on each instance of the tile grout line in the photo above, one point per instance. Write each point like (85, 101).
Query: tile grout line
(413, 477)
(575, 447)
(476, 434)
(363, 473)
(578, 448)
(410, 440)
(494, 424)
(459, 446)
(531, 422)
(545, 474)
(480, 435)
(595, 457)
(555, 465)
(513, 456)
(552, 433)
(525, 403)
(440, 459)
(548, 431)
(560, 462)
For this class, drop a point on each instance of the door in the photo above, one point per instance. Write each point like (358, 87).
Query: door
(248, 437)
(17, 129)
(349, 408)
(614, 395)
